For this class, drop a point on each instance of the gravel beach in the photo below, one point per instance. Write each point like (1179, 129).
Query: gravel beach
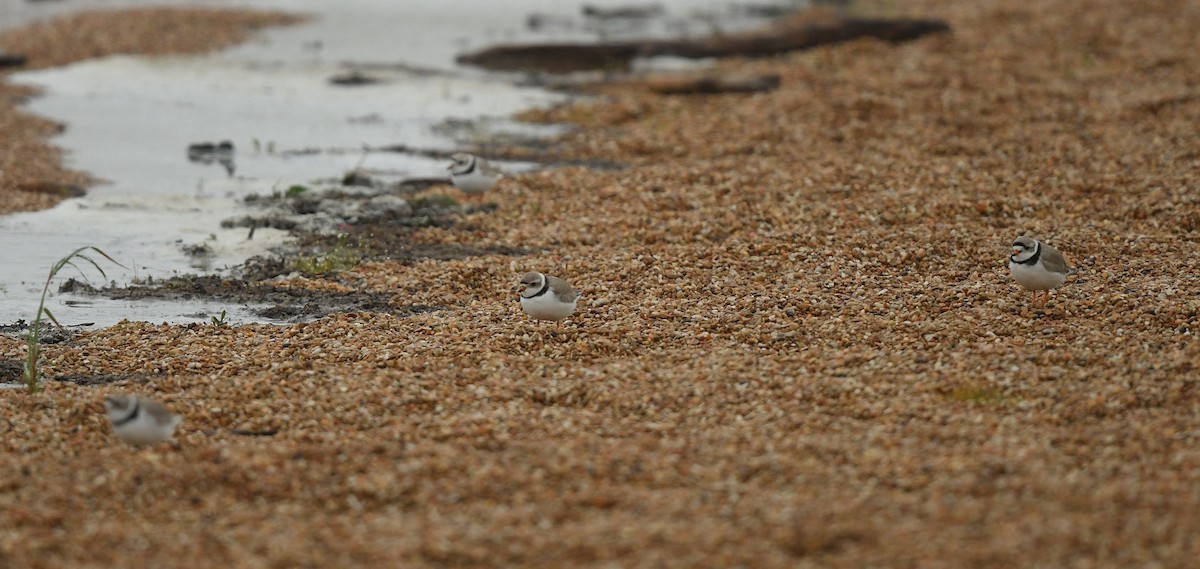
(798, 344)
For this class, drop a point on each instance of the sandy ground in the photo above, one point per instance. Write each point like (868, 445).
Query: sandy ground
(798, 346)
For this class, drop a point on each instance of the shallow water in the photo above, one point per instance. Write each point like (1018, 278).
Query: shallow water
(130, 121)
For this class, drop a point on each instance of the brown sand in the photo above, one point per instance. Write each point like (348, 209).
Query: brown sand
(31, 173)
(798, 345)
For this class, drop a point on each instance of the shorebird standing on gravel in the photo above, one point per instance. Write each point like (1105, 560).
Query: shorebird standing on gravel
(472, 174)
(1037, 267)
(140, 421)
(547, 298)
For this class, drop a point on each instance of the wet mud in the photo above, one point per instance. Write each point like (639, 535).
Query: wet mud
(331, 234)
(281, 304)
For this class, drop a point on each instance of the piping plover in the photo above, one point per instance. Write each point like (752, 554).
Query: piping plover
(472, 174)
(1037, 267)
(140, 421)
(547, 298)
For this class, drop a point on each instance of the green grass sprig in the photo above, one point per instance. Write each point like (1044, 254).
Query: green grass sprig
(33, 347)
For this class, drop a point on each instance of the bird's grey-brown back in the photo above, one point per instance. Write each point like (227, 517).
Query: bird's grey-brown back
(1053, 260)
(159, 412)
(562, 290)
(490, 169)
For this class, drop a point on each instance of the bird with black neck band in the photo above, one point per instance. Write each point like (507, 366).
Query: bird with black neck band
(139, 420)
(544, 297)
(1037, 267)
(472, 174)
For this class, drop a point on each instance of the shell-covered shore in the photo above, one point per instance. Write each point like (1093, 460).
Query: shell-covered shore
(797, 345)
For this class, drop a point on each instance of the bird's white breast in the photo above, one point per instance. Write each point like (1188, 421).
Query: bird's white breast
(144, 430)
(473, 183)
(547, 307)
(1036, 276)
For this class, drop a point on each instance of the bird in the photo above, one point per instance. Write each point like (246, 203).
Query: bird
(472, 174)
(547, 298)
(140, 421)
(1037, 267)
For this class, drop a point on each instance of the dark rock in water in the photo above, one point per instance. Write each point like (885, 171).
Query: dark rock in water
(563, 58)
(536, 22)
(210, 153)
(272, 221)
(11, 60)
(554, 58)
(426, 152)
(768, 10)
(198, 250)
(203, 150)
(623, 12)
(354, 79)
(73, 285)
(52, 188)
(356, 178)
